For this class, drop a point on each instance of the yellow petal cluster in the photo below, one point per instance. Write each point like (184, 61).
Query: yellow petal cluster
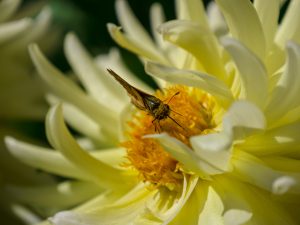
(245, 171)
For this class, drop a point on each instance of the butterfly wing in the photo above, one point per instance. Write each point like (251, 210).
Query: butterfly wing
(137, 96)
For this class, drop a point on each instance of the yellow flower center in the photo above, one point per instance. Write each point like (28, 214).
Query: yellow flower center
(191, 109)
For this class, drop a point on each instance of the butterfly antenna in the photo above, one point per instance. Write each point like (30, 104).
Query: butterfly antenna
(177, 93)
(176, 123)
(176, 112)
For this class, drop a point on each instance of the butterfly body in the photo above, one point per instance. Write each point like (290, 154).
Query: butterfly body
(143, 101)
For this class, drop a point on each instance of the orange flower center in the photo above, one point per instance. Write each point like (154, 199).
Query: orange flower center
(191, 109)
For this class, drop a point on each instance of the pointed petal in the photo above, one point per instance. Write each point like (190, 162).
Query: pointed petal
(182, 153)
(97, 82)
(142, 50)
(207, 82)
(236, 217)
(286, 92)
(131, 25)
(13, 29)
(157, 18)
(70, 92)
(191, 10)
(115, 61)
(241, 119)
(252, 71)
(62, 140)
(268, 13)
(59, 196)
(198, 41)
(289, 28)
(216, 20)
(248, 30)
(213, 209)
(250, 169)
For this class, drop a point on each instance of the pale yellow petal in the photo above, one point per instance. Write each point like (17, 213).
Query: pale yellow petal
(114, 61)
(13, 29)
(142, 50)
(197, 79)
(191, 10)
(284, 96)
(198, 41)
(190, 160)
(70, 92)
(268, 13)
(251, 70)
(62, 140)
(289, 28)
(98, 83)
(212, 210)
(56, 197)
(244, 24)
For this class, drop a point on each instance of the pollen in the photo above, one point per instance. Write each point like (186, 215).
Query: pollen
(191, 113)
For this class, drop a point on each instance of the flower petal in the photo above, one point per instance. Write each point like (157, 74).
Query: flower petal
(191, 10)
(241, 120)
(67, 90)
(253, 170)
(251, 71)
(204, 81)
(54, 162)
(58, 196)
(97, 82)
(198, 41)
(248, 31)
(62, 140)
(182, 153)
(284, 96)
(131, 25)
(114, 60)
(142, 50)
(213, 209)
(236, 217)
(216, 20)
(268, 12)
(289, 28)
(13, 29)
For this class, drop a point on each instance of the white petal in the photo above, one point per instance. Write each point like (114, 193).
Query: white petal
(197, 79)
(213, 209)
(191, 10)
(13, 29)
(216, 19)
(252, 71)
(282, 184)
(98, 82)
(58, 196)
(186, 156)
(253, 170)
(142, 50)
(268, 12)
(63, 141)
(70, 92)
(247, 30)
(290, 26)
(131, 25)
(236, 217)
(198, 41)
(285, 94)
(157, 18)
(241, 120)
(114, 61)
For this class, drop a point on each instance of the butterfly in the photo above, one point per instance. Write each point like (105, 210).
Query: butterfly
(146, 102)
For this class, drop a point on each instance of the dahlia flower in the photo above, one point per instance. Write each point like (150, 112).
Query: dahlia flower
(21, 95)
(230, 153)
